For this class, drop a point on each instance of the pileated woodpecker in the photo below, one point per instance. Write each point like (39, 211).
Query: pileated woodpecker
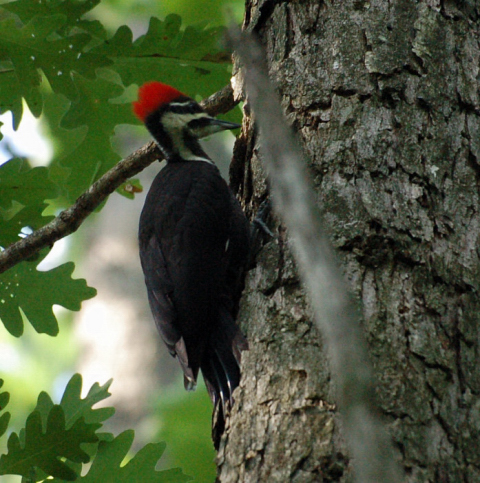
(194, 244)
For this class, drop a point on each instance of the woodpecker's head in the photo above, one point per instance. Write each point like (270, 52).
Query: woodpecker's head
(176, 121)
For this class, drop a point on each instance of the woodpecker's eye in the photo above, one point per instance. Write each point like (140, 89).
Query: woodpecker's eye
(200, 125)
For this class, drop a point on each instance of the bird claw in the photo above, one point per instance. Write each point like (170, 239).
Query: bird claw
(260, 231)
(259, 221)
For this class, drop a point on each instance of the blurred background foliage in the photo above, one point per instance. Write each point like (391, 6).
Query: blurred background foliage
(113, 335)
(136, 12)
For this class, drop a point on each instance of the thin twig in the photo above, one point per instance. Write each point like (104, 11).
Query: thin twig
(69, 220)
(335, 312)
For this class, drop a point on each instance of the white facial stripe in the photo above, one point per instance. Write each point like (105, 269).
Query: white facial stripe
(181, 104)
(189, 156)
(186, 154)
(173, 120)
(183, 151)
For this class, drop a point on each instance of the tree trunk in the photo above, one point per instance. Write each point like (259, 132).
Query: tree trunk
(385, 99)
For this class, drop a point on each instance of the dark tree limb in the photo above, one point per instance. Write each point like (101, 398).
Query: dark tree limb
(69, 220)
(335, 313)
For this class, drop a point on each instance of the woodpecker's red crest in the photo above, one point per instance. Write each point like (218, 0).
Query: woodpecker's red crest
(151, 96)
(176, 121)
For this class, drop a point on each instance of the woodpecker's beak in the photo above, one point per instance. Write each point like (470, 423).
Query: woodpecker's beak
(224, 125)
(209, 125)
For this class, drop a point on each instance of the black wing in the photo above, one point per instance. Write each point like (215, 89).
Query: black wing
(160, 291)
(184, 227)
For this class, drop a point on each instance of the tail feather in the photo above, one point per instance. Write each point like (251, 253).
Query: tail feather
(221, 371)
(219, 381)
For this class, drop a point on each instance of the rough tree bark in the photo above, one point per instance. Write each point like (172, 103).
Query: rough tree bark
(385, 99)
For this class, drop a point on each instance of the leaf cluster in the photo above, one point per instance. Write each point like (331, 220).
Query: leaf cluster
(59, 439)
(64, 66)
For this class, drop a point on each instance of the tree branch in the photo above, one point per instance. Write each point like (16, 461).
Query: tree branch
(335, 312)
(69, 220)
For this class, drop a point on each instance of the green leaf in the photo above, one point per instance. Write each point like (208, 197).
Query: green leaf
(5, 417)
(44, 450)
(44, 406)
(76, 407)
(94, 155)
(27, 186)
(106, 465)
(92, 107)
(24, 287)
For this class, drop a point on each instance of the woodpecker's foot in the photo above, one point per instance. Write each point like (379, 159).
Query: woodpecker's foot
(259, 221)
(262, 226)
(260, 233)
